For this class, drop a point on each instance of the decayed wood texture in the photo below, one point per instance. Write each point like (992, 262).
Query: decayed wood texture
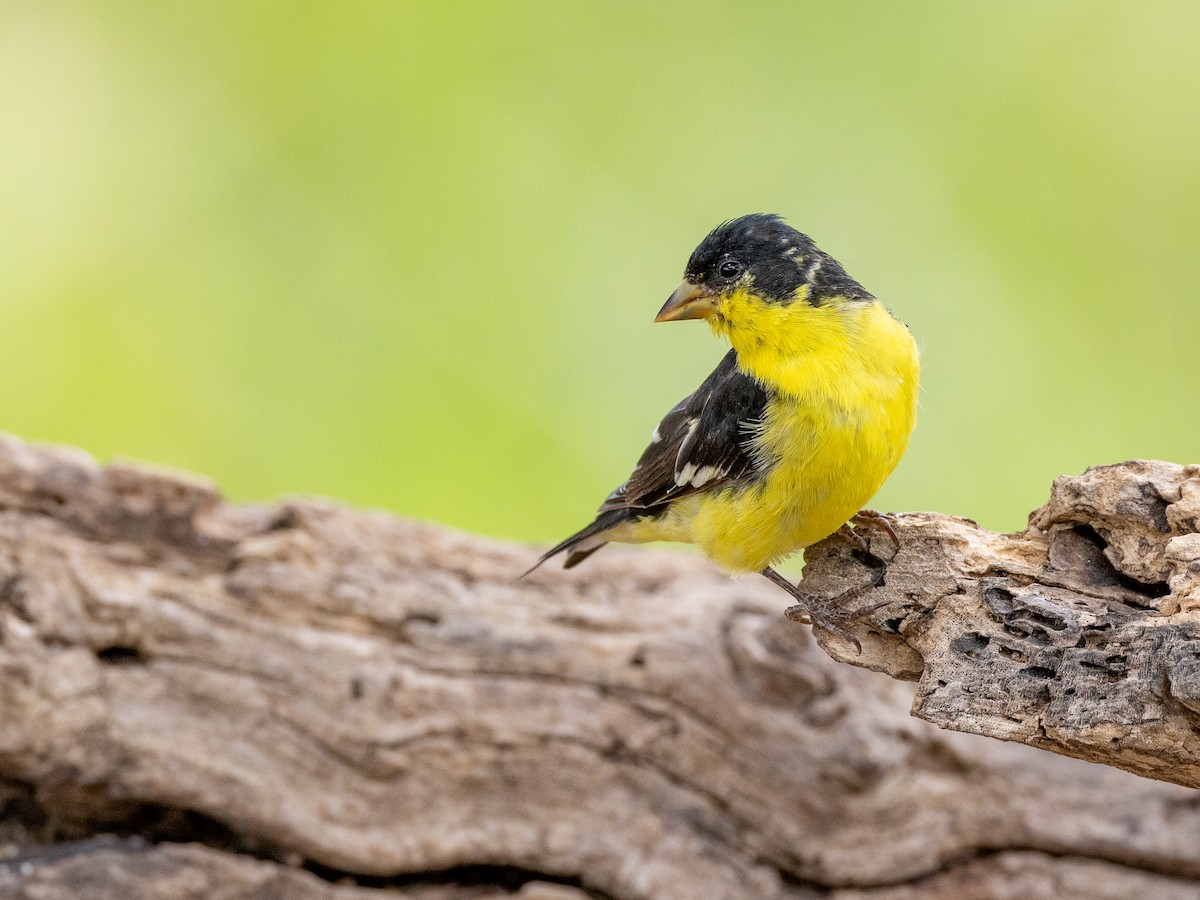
(306, 701)
(1080, 635)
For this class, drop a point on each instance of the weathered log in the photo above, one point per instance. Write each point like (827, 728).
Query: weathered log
(1079, 635)
(315, 696)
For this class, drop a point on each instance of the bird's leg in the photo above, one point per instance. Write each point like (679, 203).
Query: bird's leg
(870, 518)
(830, 615)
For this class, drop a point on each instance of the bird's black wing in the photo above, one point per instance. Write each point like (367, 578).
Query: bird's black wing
(700, 445)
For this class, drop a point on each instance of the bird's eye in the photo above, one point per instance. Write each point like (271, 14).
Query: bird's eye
(731, 269)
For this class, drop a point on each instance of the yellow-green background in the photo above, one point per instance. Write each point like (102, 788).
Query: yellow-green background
(407, 254)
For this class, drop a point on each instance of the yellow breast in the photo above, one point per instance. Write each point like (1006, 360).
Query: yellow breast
(843, 379)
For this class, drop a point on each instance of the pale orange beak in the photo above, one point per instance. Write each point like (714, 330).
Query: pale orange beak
(688, 302)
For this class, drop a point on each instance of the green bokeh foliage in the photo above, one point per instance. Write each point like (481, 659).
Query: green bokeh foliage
(406, 254)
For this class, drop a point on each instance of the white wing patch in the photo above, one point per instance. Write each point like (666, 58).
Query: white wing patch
(698, 478)
(688, 473)
(682, 459)
(684, 472)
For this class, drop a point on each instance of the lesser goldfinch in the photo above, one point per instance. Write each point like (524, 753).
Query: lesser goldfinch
(796, 428)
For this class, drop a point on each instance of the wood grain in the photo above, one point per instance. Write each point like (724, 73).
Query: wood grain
(305, 700)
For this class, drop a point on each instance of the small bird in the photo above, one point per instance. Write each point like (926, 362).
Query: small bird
(796, 428)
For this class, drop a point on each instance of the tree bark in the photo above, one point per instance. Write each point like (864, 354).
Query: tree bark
(1079, 635)
(306, 701)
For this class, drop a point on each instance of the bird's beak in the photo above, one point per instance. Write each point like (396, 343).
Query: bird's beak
(688, 302)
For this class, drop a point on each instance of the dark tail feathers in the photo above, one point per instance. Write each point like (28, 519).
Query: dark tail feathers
(575, 553)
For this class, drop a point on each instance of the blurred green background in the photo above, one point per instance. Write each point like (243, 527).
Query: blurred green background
(407, 254)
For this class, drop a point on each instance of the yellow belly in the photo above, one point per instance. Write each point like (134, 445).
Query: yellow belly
(832, 466)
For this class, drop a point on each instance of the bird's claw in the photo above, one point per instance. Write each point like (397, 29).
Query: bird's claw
(829, 615)
(870, 518)
(810, 616)
(832, 616)
(850, 536)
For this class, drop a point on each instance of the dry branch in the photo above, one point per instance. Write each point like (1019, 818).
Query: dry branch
(306, 701)
(1079, 635)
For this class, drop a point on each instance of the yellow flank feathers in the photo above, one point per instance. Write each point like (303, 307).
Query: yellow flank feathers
(843, 378)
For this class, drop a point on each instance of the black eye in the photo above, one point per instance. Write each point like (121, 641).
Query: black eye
(730, 269)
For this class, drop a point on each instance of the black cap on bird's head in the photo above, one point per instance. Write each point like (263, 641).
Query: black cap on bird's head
(763, 254)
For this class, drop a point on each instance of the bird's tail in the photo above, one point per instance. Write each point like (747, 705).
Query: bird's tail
(584, 542)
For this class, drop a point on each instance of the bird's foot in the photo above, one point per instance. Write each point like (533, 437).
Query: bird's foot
(870, 518)
(828, 614)
(850, 536)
